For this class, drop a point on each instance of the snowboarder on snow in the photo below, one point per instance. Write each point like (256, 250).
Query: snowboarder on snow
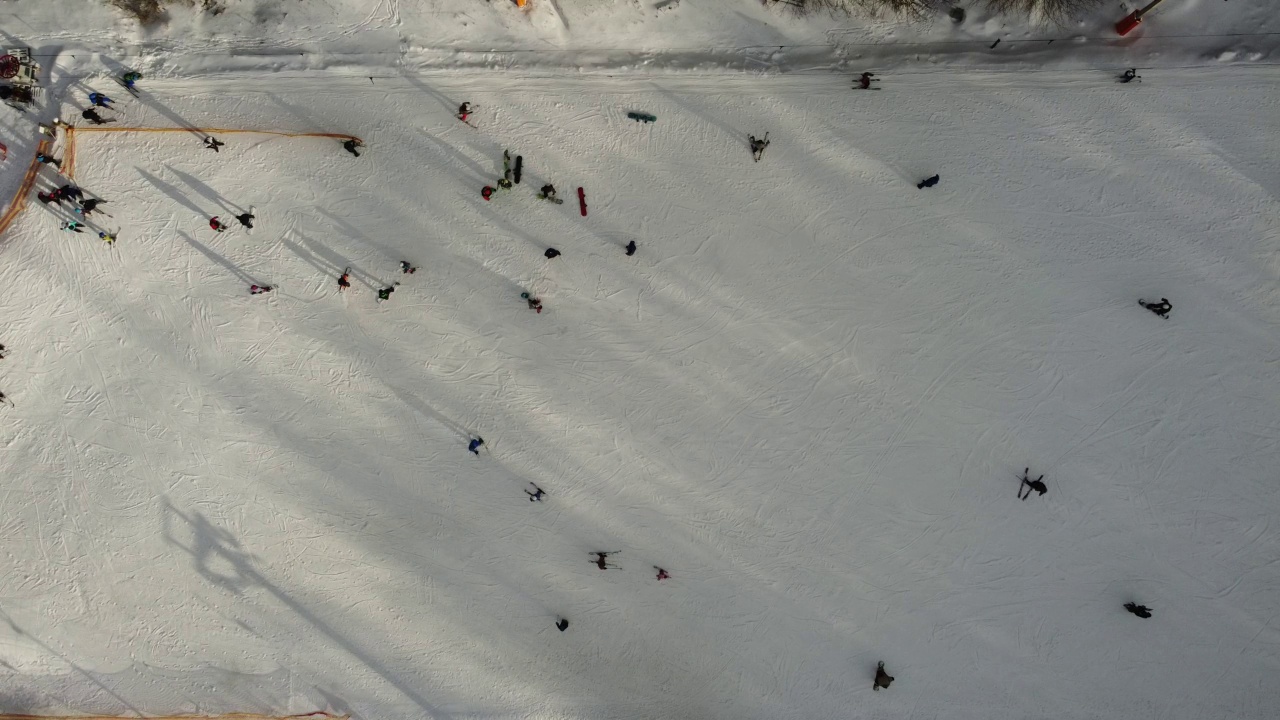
(406, 268)
(213, 143)
(344, 281)
(504, 183)
(259, 289)
(662, 574)
(216, 224)
(1037, 485)
(100, 100)
(1130, 75)
(535, 496)
(882, 678)
(562, 624)
(464, 111)
(92, 116)
(49, 160)
(129, 78)
(71, 226)
(1141, 611)
(631, 248)
(865, 80)
(246, 219)
(474, 445)
(548, 192)
(928, 182)
(486, 192)
(552, 253)
(534, 303)
(351, 144)
(1161, 308)
(758, 145)
(385, 293)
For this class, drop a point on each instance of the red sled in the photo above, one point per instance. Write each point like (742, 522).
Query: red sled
(582, 201)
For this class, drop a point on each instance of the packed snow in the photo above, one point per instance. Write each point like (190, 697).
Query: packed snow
(809, 396)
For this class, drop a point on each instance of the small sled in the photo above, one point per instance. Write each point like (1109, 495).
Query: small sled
(642, 117)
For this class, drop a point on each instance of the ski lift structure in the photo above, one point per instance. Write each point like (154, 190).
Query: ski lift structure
(22, 73)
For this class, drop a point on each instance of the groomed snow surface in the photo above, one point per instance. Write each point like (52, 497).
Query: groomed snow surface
(809, 396)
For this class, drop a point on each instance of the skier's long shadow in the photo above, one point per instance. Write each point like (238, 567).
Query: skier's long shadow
(448, 103)
(172, 192)
(332, 265)
(685, 104)
(205, 190)
(209, 253)
(212, 549)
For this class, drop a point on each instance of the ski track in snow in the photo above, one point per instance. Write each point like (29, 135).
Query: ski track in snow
(809, 396)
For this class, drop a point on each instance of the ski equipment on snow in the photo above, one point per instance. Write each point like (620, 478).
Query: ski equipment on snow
(1037, 485)
(519, 168)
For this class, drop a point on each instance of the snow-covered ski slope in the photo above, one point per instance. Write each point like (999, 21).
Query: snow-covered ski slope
(808, 396)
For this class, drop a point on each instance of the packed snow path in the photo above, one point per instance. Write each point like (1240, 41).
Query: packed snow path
(809, 396)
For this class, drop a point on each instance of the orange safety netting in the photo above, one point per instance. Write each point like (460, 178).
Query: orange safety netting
(24, 190)
(230, 716)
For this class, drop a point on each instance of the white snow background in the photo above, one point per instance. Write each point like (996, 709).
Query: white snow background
(808, 396)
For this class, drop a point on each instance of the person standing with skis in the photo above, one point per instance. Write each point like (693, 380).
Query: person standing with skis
(535, 496)
(344, 280)
(129, 78)
(865, 80)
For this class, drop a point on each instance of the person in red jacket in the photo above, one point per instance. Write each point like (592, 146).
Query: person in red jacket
(486, 193)
(216, 224)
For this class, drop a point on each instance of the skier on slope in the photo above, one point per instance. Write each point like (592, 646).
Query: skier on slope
(1161, 308)
(344, 281)
(535, 496)
(259, 289)
(662, 574)
(47, 198)
(108, 238)
(928, 182)
(71, 226)
(1130, 75)
(213, 143)
(1037, 485)
(882, 678)
(631, 248)
(92, 116)
(246, 219)
(534, 303)
(100, 100)
(49, 160)
(406, 268)
(548, 192)
(865, 80)
(464, 111)
(129, 78)
(552, 253)
(474, 445)
(562, 624)
(1141, 611)
(385, 293)
(758, 145)
(216, 224)
(351, 144)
